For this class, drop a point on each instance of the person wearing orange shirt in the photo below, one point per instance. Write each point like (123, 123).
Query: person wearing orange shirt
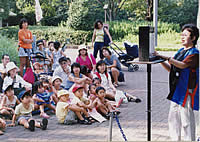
(25, 39)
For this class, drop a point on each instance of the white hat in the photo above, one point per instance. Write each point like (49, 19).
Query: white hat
(6, 85)
(82, 47)
(62, 92)
(10, 66)
(56, 77)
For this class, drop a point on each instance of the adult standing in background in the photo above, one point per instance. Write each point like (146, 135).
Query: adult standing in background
(98, 37)
(184, 85)
(25, 39)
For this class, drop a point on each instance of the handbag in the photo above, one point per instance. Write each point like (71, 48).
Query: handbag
(29, 75)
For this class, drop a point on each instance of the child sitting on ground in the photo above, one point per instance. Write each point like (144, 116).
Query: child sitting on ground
(2, 126)
(92, 92)
(56, 85)
(67, 112)
(42, 98)
(23, 113)
(46, 83)
(9, 101)
(103, 105)
(82, 102)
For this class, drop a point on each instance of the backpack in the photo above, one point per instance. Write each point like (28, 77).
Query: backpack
(98, 75)
(106, 39)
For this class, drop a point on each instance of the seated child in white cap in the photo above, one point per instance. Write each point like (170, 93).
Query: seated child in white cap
(65, 110)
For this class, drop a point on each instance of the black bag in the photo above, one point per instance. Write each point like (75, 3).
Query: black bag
(106, 39)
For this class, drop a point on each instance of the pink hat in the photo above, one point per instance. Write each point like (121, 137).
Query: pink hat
(76, 87)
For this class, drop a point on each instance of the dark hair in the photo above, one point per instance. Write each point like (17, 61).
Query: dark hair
(89, 88)
(100, 88)
(105, 48)
(36, 85)
(96, 24)
(193, 30)
(2, 57)
(75, 64)
(100, 63)
(10, 87)
(39, 41)
(23, 20)
(79, 53)
(96, 78)
(50, 42)
(61, 59)
(56, 45)
(24, 94)
(68, 59)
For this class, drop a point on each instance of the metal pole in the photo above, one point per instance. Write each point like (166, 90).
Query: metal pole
(155, 20)
(110, 128)
(149, 102)
(105, 15)
(110, 15)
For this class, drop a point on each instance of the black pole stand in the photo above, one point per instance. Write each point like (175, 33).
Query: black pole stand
(149, 102)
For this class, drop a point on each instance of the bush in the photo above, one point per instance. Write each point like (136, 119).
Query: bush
(50, 33)
(120, 29)
(83, 14)
(9, 47)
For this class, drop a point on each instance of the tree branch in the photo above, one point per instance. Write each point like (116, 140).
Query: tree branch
(101, 3)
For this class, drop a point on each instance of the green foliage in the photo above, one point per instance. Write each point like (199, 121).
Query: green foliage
(82, 14)
(50, 33)
(120, 29)
(178, 11)
(5, 7)
(9, 47)
(54, 11)
(136, 9)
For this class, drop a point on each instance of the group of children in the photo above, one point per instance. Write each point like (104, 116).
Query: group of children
(83, 100)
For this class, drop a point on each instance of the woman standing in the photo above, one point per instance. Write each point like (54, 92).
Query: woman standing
(25, 44)
(86, 60)
(98, 37)
(184, 85)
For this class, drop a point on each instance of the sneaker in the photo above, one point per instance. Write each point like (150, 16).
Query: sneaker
(44, 115)
(31, 125)
(44, 124)
(85, 122)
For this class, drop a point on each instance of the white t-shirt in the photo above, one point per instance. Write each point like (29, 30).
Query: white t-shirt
(17, 82)
(104, 80)
(61, 111)
(20, 110)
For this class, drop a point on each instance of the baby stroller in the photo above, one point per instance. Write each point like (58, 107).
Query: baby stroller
(132, 53)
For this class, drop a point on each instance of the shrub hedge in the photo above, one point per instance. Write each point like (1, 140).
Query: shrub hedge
(9, 47)
(118, 29)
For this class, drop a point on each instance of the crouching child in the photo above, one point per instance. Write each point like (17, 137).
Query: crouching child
(23, 113)
(66, 112)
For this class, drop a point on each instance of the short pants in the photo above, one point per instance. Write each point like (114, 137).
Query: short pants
(71, 118)
(24, 52)
(23, 117)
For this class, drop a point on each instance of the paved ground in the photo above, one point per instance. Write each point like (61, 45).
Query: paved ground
(133, 116)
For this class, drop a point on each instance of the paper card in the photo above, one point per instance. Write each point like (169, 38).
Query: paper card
(93, 113)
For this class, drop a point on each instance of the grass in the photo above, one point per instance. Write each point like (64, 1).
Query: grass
(9, 47)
